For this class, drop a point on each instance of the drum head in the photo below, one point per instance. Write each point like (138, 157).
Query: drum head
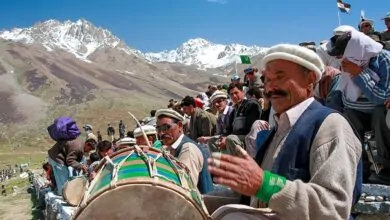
(73, 190)
(141, 202)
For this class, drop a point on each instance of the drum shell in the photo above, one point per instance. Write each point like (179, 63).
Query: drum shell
(135, 191)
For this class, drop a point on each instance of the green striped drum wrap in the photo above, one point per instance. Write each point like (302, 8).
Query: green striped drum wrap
(136, 167)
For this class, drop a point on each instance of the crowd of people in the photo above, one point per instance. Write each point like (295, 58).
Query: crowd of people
(289, 135)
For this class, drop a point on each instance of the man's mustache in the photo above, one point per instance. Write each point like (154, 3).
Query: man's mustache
(165, 136)
(275, 92)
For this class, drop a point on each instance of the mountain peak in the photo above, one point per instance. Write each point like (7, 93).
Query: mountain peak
(204, 54)
(80, 38)
(197, 41)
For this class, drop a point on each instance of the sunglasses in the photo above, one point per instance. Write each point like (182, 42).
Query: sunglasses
(164, 127)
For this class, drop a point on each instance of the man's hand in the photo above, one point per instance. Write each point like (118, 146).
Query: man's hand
(221, 143)
(203, 140)
(92, 175)
(241, 174)
(351, 68)
(387, 103)
(84, 168)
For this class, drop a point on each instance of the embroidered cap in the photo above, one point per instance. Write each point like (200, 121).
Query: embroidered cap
(148, 129)
(125, 140)
(217, 95)
(297, 54)
(170, 113)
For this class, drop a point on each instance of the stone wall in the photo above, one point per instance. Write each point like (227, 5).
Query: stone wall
(374, 203)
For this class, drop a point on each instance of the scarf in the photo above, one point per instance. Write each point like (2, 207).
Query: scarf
(360, 49)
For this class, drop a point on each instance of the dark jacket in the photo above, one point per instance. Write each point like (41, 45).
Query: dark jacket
(250, 111)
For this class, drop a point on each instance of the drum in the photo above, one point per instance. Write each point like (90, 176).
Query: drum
(73, 190)
(236, 211)
(133, 184)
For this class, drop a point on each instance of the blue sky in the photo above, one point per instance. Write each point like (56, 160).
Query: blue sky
(154, 25)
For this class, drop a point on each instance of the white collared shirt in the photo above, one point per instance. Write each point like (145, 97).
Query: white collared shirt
(284, 123)
(177, 142)
(291, 116)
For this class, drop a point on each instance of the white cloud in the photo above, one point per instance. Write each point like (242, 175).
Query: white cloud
(218, 1)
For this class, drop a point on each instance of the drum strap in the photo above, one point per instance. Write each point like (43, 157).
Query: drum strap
(180, 172)
(115, 171)
(94, 181)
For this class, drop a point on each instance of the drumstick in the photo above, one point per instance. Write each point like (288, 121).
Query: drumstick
(142, 130)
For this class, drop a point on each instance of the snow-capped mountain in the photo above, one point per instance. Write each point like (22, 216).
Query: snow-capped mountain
(205, 54)
(80, 38)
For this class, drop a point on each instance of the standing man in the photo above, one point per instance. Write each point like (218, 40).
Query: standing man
(122, 129)
(111, 132)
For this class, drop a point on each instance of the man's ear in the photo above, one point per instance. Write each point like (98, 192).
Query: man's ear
(180, 124)
(311, 77)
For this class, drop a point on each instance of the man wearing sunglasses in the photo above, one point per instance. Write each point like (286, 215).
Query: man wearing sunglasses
(385, 36)
(170, 130)
(366, 26)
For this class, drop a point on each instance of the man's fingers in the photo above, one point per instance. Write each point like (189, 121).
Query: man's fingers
(227, 158)
(219, 172)
(224, 165)
(227, 182)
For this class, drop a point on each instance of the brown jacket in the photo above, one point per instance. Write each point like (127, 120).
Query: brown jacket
(69, 153)
(202, 123)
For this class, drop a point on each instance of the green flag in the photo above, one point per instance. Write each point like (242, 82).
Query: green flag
(245, 59)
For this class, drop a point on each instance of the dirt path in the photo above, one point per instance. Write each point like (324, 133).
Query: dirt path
(23, 153)
(17, 207)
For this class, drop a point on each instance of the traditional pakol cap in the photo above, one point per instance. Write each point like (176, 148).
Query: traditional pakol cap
(217, 95)
(170, 113)
(126, 140)
(148, 129)
(297, 54)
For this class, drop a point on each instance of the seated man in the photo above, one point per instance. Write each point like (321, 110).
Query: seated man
(245, 113)
(368, 66)
(219, 101)
(68, 151)
(385, 35)
(124, 143)
(202, 123)
(105, 148)
(325, 90)
(388, 113)
(151, 134)
(307, 167)
(170, 129)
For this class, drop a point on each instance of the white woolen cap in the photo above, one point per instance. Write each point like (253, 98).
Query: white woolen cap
(296, 54)
(148, 129)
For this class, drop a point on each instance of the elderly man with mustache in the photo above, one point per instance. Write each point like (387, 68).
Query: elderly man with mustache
(309, 166)
(170, 130)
